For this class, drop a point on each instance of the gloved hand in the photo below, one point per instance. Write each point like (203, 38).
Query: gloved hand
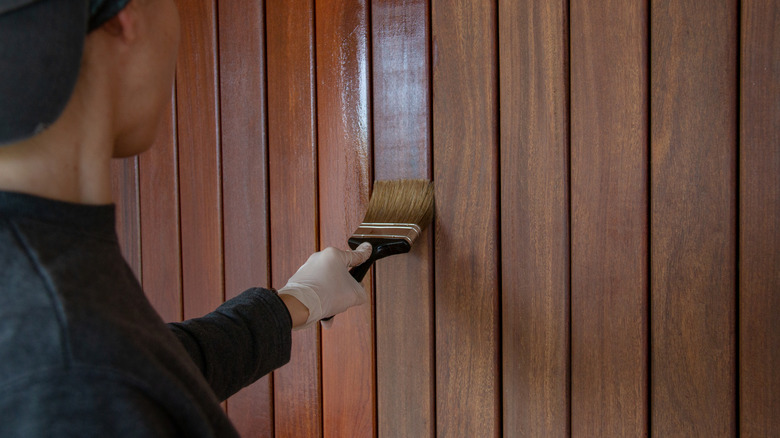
(324, 285)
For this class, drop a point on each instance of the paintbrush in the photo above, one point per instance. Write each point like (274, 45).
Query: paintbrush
(398, 212)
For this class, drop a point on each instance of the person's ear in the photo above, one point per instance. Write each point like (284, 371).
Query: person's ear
(124, 24)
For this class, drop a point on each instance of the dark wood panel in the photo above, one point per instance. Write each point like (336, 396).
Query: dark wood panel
(344, 131)
(244, 181)
(199, 156)
(609, 165)
(404, 284)
(161, 248)
(759, 214)
(467, 269)
(693, 197)
(124, 188)
(534, 217)
(293, 183)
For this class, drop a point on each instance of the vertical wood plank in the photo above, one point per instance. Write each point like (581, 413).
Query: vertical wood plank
(535, 217)
(465, 134)
(759, 216)
(404, 284)
(693, 249)
(293, 183)
(244, 181)
(344, 174)
(161, 248)
(609, 218)
(199, 159)
(124, 188)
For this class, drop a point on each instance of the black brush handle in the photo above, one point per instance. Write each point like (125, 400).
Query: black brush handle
(380, 248)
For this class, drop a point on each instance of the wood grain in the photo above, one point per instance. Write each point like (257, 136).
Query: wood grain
(344, 131)
(161, 246)
(693, 200)
(534, 217)
(245, 181)
(124, 188)
(465, 143)
(199, 159)
(759, 220)
(293, 184)
(609, 218)
(404, 284)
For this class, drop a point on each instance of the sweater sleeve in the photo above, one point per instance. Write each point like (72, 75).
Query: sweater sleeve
(242, 340)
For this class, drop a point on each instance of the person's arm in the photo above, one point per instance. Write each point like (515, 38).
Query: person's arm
(298, 312)
(249, 335)
(242, 340)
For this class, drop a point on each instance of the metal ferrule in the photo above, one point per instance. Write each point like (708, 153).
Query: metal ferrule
(408, 232)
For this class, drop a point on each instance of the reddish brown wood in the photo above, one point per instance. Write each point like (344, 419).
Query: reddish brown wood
(759, 214)
(199, 155)
(161, 247)
(404, 284)
(293, 182)
(609, 165)
(344, 131)
(124, 187)
(244, 181)
(693, 200)
(534, 217)
(465, 143)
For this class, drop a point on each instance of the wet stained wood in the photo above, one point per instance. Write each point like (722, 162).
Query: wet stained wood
(344, 131)
(244, 181)
(759, 220)
(693, 213)
(534, 217)
(159, 204)
(609, 234)
(402, 140)
(465, 154)
(199, 159)
(293, 199)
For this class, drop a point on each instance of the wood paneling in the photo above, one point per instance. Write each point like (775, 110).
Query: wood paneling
(402, 140)
(693, 200)
(344, 132)
(199, 159)
(159, 184)
(604, 259)
(609, 218)
(534, 217)
(244, 180)
(465, 160)
(293, 180)
(759, 220)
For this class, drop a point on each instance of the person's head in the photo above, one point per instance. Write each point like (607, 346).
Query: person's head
(77, 55)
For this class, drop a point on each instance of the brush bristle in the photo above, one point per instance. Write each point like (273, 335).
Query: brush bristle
(403, 201)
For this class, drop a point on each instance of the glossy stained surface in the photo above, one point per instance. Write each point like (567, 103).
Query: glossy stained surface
(604, 257)
(292, 161)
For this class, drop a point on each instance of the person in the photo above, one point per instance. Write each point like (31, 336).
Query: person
(82, 351)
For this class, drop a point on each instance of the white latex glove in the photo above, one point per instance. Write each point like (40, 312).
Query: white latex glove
(324, 285)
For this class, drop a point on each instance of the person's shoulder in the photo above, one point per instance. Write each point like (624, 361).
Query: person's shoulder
(31, 336)
(70, 401)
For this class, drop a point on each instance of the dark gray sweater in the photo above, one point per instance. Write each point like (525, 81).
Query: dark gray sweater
(82, 352)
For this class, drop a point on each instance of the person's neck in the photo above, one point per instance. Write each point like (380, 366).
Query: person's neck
(70, 161)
